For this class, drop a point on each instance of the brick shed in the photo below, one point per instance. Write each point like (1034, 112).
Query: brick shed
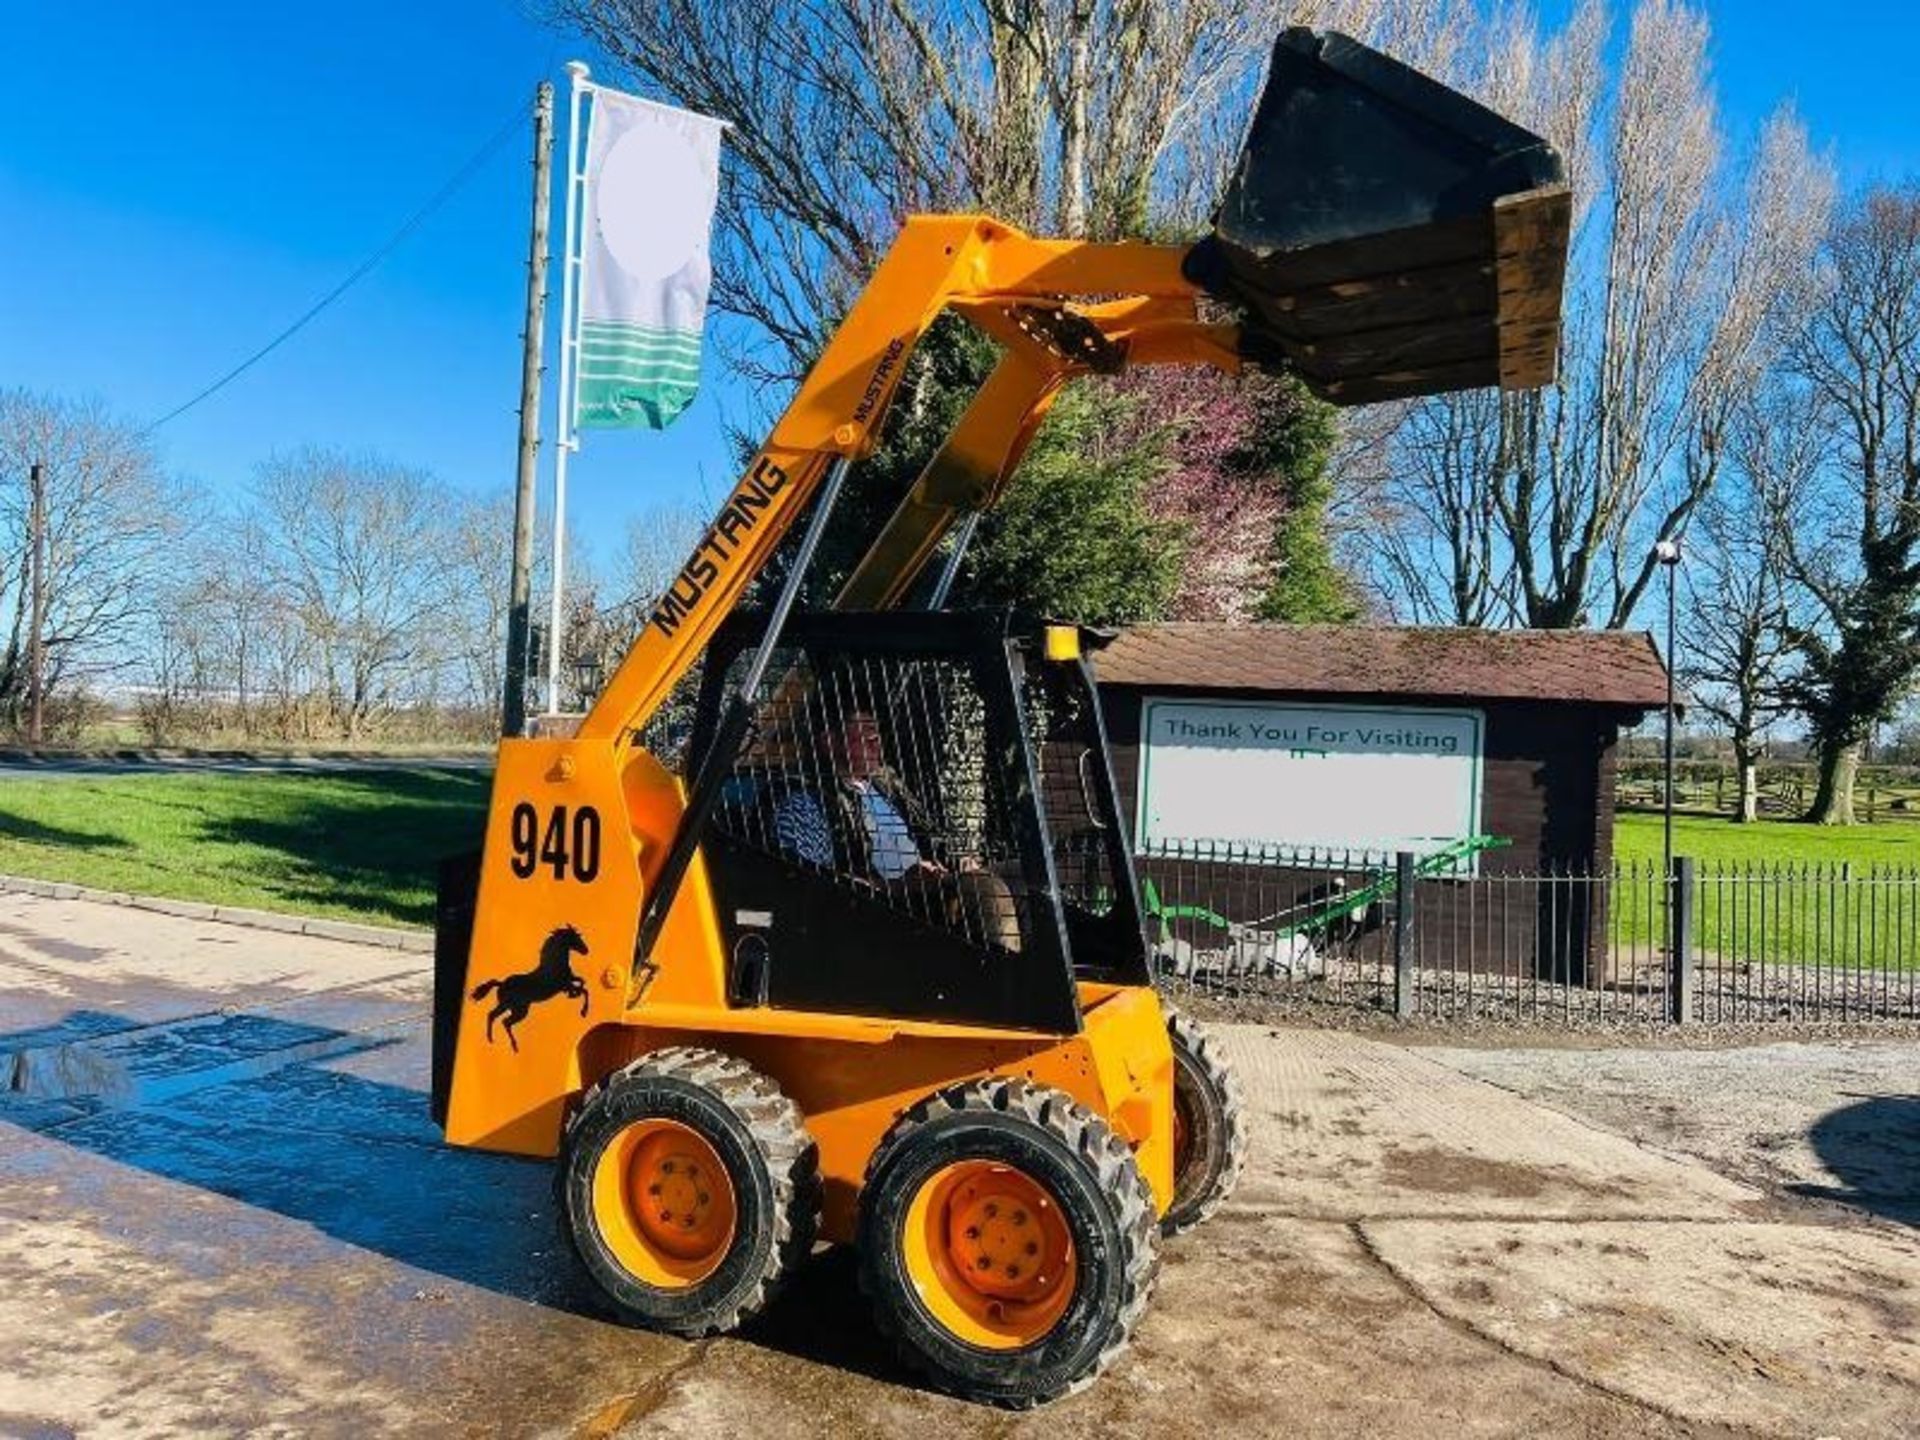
(1297, 740)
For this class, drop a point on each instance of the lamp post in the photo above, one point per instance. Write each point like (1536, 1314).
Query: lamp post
(587, 671)
(1667, 553)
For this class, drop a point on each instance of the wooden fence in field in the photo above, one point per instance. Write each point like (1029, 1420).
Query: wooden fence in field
(1705, 787)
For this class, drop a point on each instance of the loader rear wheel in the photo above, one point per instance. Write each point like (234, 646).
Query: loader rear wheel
(688, 1187)
(1007, 1241)
(1209, 1126)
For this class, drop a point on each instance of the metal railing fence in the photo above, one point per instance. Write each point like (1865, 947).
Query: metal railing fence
(1730, 942)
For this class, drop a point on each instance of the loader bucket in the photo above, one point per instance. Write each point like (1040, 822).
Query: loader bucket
(1386, 236)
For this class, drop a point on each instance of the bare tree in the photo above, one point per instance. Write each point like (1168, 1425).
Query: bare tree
(358, 551)
(480, 538)
(599, 631)
(241, 612)
(659, 539)
(170, 701)
(1850, 527)
(1687, 273)
(112, 515)
(1100, 117)
(1437, 548)
(1737, 652)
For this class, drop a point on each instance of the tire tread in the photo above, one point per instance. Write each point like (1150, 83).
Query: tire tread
(1117, 1174)
(1193, 1037)
(779, 1133)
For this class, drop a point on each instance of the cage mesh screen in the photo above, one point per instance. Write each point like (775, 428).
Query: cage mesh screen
(1063, 737)
(666, 734)
(873, 771)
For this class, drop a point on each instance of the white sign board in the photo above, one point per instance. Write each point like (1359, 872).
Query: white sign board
(1279, 782)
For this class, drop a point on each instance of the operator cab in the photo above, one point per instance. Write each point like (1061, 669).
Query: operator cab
(921, 823)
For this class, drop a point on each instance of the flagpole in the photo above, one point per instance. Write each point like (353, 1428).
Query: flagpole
(566, 442)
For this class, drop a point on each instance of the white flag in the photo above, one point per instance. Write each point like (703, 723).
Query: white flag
(653, 175)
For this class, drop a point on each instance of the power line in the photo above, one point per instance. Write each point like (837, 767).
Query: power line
(366, 267)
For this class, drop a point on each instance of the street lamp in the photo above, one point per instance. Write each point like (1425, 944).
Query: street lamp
(587, 670)
(1667, 554)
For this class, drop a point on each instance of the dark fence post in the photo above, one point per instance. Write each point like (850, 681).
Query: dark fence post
(1403, 935)
(1680, 911)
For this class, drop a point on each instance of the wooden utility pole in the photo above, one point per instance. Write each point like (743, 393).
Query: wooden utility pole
(36, 647)
(513, 718)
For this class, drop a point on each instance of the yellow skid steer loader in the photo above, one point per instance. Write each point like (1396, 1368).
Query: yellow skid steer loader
(871, 970)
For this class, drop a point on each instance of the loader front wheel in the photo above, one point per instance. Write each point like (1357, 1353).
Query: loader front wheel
(1007, 1241)
(1209, 1126)
(688, 1188)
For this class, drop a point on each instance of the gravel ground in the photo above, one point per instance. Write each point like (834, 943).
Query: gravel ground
(1832, 1121)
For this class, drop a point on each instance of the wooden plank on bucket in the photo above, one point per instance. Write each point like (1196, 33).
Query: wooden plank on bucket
(1531, 232)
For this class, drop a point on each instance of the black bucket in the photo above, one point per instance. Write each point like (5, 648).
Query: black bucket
(1387, 236)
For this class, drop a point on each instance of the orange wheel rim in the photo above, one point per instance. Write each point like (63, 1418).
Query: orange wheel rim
(664, 1203)
(1182, 1133)
(989, 1254)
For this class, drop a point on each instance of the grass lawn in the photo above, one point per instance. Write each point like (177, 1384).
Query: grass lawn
(359, 846)
(1782, 897)
(1638, 837)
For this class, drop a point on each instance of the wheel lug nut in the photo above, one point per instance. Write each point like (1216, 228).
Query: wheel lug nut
(702, 1197)
(1019, 1217)
(666, 1167)
(1013, 1272)
(992, 1210)
(983, 1263)
(973, 1232)
(1032, 1249)
(653, 1189)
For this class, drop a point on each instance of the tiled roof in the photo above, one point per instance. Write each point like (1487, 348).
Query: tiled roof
(1605, 667)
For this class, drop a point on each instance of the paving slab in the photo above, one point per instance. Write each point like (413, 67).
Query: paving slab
(1835, 1119)
(1358, 1128)
(65, 949)
(86, 967)
(1787, 1329)
(164, 1307)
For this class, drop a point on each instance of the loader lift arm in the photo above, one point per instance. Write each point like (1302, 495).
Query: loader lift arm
(1016, 288)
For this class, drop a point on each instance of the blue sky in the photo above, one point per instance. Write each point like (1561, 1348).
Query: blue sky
(180, 180)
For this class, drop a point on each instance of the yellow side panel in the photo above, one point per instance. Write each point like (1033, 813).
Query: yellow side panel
(542, 987)
(1128, 1038)
(852, 1094)
(688, 965)
(853, 1079)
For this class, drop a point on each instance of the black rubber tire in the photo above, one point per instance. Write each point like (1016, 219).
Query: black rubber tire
(1103, 1198)
(1208, 1095)
(761, 1137)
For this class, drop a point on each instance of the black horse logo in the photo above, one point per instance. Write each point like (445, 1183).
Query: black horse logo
(517, 994)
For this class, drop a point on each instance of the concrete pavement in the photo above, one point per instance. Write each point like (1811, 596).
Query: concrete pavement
(223, 1211)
